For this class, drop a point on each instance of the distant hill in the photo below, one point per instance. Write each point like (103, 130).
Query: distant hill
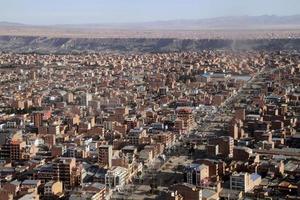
(3, 23)
(229, 22)
(265, 21)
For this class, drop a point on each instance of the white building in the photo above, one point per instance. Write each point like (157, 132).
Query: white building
(116, 177)
(244, 181)
(86, 98)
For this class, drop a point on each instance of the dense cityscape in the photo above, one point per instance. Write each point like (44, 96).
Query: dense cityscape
(191, 125)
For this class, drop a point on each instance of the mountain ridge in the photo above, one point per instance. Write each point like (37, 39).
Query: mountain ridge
(226, 22)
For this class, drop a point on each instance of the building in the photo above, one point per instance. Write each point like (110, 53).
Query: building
(129, 153)
(4, 194)
(212, 150)
(168, 139)
(105, 155)
(37, 118)
(217, 100)
(30, 186)
(86, 98)
(31, 196)
(97, 189)
(196, 174)
(242, 153)
(240, 114)
(233, 130)
(225, 144)
(54, 129)
(188, 191)
(135, 135)
(116, 177)
(53, 188)
(45, 173)
(89, 191)
(186, 115)
(12, 188)
(244, 181)
(12, 150)
(146, 155)
(62, 171)
(69, 97)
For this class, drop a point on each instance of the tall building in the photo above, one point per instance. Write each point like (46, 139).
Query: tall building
(37, 118)
(225, 144)
(12, 150)
(32, 75)
(69, 97)
(196, 174)
(37, 101)
(186, 115)
(105, 155)
(62, 168)
(233, 130)
(86, 98)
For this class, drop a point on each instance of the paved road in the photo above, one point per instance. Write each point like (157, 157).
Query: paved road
(228, 104)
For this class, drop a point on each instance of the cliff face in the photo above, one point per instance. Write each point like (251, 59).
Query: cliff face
(25, 44)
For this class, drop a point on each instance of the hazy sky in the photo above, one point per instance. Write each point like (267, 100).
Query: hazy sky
(107, 11)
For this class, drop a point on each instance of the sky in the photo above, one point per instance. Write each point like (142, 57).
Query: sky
(46, 12)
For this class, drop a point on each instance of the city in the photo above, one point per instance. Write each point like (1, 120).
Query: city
(114, 124)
